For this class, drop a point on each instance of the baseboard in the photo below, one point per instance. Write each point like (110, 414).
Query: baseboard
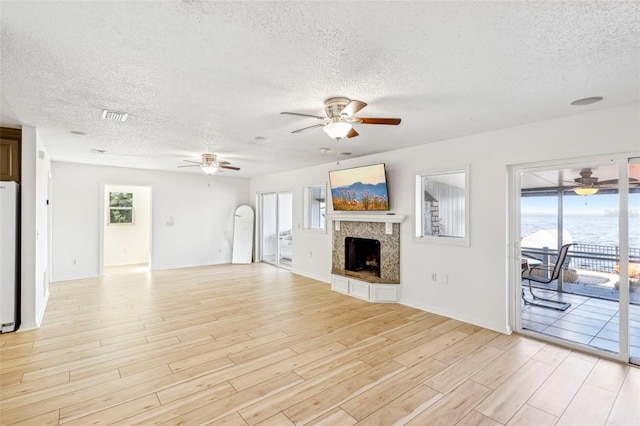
(34, 325)
(506, 329)
(40, 314)
(27, 326)
(74, 277)
(326, 280)
(176, 267)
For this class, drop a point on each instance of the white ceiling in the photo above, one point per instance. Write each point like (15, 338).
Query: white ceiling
(213, 77)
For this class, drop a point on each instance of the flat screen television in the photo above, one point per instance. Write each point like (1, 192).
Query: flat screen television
(359, 188)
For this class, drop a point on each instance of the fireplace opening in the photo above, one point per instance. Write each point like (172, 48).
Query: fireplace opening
(362, 255)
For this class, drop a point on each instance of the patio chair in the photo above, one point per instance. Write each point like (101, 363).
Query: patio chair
(537, 273)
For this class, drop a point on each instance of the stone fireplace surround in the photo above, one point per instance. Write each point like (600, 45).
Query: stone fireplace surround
(384, 228)
(389, 250)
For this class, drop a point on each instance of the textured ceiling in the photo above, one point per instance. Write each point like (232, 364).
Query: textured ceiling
(213, 77)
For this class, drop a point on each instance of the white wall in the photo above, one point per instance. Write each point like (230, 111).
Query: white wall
(478, 280)
(35, 268)
(128, 244)
(201, 215)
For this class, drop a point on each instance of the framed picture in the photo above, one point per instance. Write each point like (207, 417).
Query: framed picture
(359, 188)
(121, 208)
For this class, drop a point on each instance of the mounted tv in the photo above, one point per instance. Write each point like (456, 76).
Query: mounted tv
(359, 189)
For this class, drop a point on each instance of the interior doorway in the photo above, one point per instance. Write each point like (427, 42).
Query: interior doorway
(126, 229)
(276, 228)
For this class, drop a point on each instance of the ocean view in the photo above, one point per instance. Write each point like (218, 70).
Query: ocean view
(600, 230)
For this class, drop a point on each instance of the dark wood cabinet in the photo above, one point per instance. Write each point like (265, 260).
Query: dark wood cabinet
(10, 158)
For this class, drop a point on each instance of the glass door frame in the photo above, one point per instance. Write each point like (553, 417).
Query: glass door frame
(260, 225)
(514, 261)
(631, 159)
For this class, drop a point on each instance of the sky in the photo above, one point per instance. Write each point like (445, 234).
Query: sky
(368, 174)
(596, 204)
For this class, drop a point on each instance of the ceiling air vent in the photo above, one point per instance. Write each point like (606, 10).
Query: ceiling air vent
(114, 115)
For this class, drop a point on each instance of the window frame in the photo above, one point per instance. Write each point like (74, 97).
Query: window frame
(418, 232)
(123, 205)
(308, 207)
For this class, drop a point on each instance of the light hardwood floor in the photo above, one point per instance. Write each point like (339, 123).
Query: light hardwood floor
(258, 345)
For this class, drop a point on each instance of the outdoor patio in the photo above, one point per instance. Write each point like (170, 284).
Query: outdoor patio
(591, 319)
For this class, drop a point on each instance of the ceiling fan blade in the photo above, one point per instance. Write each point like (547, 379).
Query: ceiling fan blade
(307, 128)
(229, 167)
(194, 162)
(194, 165)
(368, 120)
(352, 107)
(352, 133)
(304, 115)
(633, 182)
(223, 162)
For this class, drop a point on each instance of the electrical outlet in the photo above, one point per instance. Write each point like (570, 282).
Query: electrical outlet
(434, 277)
(310, 254)
(74, 261)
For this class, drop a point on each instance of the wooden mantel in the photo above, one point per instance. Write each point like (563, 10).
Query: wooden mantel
(388, 218)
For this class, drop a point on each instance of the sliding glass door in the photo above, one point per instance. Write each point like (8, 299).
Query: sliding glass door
(285, 229)
(269, 228)
(590, 206)
(277, 228)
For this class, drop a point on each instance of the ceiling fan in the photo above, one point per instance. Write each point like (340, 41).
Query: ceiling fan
(340, 118)
(210, 164)
(587, 184)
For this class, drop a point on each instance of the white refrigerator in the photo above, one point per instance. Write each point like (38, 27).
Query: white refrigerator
(9, 257)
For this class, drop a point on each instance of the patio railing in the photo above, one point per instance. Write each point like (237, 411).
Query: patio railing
(590, 257)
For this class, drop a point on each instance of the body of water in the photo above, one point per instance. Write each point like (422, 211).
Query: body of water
(600, 230)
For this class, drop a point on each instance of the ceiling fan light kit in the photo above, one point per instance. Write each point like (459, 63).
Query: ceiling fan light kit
(585, 190)
(208, 169)
(338, 129)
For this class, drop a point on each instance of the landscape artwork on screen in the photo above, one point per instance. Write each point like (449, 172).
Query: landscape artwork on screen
(360, 188)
